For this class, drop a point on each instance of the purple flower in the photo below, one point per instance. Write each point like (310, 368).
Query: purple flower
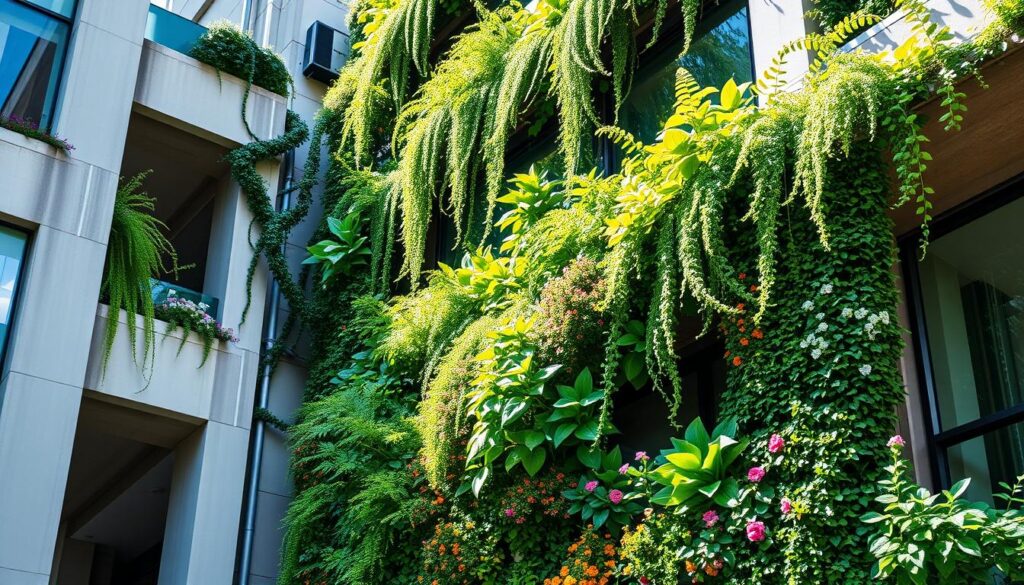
(896, 441)
(591, 486)
(615, 496)
(624, 469)
(776, 444)
(756, 474)
(755, 531)
(710, 518)
(641, 456)
(785, 506)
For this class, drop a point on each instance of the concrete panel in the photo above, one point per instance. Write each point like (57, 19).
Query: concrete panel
(97, 94)
(773, 24)
(965, 19)
(44, 186)
(124, 18)
(12, 577)
(200, 540)
(266, 548)
(235, 391)
(56, 312)
(176, 89)
(37, 431)
(176, 382)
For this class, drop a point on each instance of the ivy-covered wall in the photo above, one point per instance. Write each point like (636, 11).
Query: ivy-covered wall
(459, 422)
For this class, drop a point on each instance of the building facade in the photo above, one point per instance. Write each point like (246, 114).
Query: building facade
(115, 475)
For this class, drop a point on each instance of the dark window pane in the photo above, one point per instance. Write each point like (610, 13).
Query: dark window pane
(720, 51)
(32, 47)
(994, 458)
(972, 284)
(12, 252)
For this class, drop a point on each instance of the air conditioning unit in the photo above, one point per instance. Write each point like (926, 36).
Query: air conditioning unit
(326, 51)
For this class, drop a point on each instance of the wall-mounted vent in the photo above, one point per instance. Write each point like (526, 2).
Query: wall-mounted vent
(326, 52)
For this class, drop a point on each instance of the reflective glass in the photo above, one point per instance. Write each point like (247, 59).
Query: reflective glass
(32, 47)
(62, 7)
(720, 51)
(972, 285)
(12, 252)
(989, 460)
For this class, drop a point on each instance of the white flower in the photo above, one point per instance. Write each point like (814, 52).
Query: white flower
(865, 369)
(822, 327)
(171, 292)
(869, 327)
(860, 313)
(847, 313)
(816, 353)
(807, 306)
(884, 316)
(803, 344)
(819, 316)
(822, 344)
(826, 289)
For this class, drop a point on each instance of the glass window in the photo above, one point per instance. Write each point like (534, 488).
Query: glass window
(32, 48)
(61, 7)
(12, 253)
(972, 291)
(720, 51)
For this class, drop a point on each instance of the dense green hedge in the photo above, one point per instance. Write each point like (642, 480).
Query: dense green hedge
(230, 50)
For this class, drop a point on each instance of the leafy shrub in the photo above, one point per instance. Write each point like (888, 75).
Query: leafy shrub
(343, 255)
(606, 496)
(695, 470)
(571, 321)
(136, 252)
(227, 48)
(940, 538)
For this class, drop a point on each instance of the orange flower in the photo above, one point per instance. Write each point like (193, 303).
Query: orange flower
(455, 549)
(690, 567)
(758, 334)
(609, 550)
(740, 307)
(592, 571)
(743, 275)
(711, 570)
(736, 361)
(744, 341)
(610, 564)
(753, 288)
(564, 571)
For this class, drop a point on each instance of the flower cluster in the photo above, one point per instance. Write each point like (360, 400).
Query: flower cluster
(31, 129)
(429, 503)
(175, 309)
(571, 325)
(591, 561)
(738, 327)
(457, 554)
(536, 497)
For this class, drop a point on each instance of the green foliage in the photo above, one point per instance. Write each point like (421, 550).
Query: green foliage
(343, 255)
(696, 469)
(571, 323)
(607, 497)
(532, 196)
(227, 48)
(488, 281)
(940, 538)
(136, 252)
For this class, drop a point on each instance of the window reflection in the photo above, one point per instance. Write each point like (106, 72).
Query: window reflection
(12, 251)
(972, 288)
(720, 51)
(32, 47)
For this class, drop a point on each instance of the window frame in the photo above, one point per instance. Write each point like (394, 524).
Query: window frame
(939, 441)
(18, 286)
(59, 86)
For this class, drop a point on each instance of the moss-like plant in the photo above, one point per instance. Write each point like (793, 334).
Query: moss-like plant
(137, 251)
(229, 49)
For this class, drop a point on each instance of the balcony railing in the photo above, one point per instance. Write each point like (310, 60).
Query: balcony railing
(172, 31)
(162, 289)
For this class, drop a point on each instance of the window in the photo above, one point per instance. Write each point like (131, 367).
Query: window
(971, 302)
(720, 51)
(33, 41)
(12, 254)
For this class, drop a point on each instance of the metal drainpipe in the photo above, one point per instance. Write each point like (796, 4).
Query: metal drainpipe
(259, 428)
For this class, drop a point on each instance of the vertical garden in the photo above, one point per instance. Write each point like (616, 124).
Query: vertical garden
(461, 422)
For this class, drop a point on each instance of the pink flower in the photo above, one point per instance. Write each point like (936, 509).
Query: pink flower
(896, 441)
(786, 506)
(776, 444)
(624, 469)
(755, 531)
(710, 517)
(615, 496)
(755, 474)
(591, 486)
(510, 512)
(641, 456)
